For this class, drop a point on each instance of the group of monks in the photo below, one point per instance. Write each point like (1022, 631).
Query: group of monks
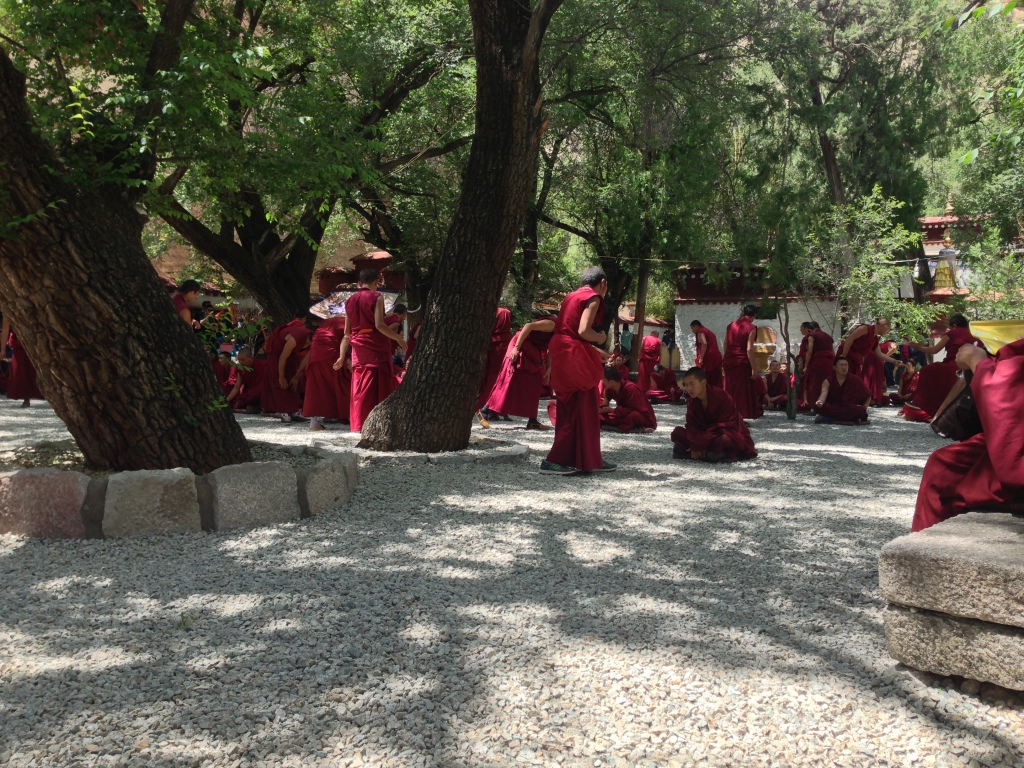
(18, 382)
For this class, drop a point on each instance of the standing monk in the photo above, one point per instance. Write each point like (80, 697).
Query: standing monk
(860, 348)
(738, 362)
(501, 332)
(328, 388)
(985, 471)
(844, 397)
(935, 380)
(714, 430)
(576, 372)
(633, 411)
(650, 356)
(284, 370)
(709, 356)
(817, 355)
(526, 369)
(21, 384)
(776, 387)
(247, 383)
(370, 340)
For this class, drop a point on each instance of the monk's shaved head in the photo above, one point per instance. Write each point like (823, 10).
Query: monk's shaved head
(368, 276)
(697, 373)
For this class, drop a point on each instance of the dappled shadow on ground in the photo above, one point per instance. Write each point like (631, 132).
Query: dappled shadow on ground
(474, 616)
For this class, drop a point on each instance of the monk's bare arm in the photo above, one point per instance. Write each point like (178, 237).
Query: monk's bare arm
(378, 319)
(298, 374)
(702, 347)
(940, 344)
(882, 356)
(586, 329)
(854, 335)
(809, 354)
(824, 393)
(282, 361)
(5, 334)
(342, 348)
(750, 354)
(543, 326)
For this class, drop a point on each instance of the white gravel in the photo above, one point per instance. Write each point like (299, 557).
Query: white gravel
(668, 614)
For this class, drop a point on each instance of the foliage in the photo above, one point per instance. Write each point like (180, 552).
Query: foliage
(858, 253)
(996, 282)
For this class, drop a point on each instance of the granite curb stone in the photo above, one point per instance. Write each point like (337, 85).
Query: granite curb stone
(147, 502)
(253, 494)
(45, 503)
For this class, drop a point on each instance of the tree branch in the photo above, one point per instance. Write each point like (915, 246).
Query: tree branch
(596, 91)
(168, 185)
(568, 228)
(425, 154)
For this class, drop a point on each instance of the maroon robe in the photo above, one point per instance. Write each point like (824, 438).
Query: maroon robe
(778, 387)
(22, 383)
(250, 393)
(711, 361)
(820, 367)
(632, 409)
(845, 402)
(223, 374)
(518, 389)
(372, 377)
(988, 469)
(650, 356)
(739, 377)
(860, 349)
(327, 391)
(576, 371)
(664, 387)
(937, 379)
(275, 399)
(717, 428)
(501, 332)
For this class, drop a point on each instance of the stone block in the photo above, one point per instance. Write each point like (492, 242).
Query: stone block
(946, 645)
(505, 455)
(253, 494)
(148, 502)
(45, 503)
(327, 485)
(970, 566)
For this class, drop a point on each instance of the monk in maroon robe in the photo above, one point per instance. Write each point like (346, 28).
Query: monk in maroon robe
(281, 390)
(738, 364)
(501, 332)
(714, 431)
(632, 412)
(369, 338)
(816, 355)
(247, 380)
(776, 385)
(987, 470)
(576, 371)
(844, 398)
(650, 356)
(937, 379)
(21, 383)
(525, 371)
(860, 348)
(328, 387)
(222, 369)
(664, 386)
(709, 356)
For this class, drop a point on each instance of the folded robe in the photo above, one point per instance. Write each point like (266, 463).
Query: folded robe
(845, 402)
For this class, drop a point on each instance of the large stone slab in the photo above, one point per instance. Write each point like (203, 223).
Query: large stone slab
(151, 502)
(970, 566)
(45, 503)
(329, 484)
(254, 494)
(947, 645)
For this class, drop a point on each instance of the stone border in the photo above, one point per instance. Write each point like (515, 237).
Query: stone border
(497, 451)
(53, 503)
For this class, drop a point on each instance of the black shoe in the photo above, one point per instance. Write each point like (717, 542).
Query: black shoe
(606, 467)
(551, 468)
(714, 457)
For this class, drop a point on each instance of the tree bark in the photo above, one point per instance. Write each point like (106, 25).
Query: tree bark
(828, 149)
(432, 410)
(642, 278)
(125, 374)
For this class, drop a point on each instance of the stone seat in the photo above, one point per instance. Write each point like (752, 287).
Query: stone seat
(956, 598)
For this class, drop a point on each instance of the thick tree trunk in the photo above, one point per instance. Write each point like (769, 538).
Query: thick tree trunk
(432, 410)
(828, 149)
(125, 374)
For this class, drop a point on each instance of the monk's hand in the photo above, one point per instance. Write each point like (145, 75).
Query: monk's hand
(294, 384)
(282, 382)
(513, 355)
(546, 379)
(697, 455)
(403, 345)
(819, 404)
(339, 364)
(967, 358)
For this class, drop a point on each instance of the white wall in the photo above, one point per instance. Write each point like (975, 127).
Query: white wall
(716, 317)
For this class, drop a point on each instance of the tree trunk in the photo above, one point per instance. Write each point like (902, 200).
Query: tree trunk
(433, 409)
(828, 149)
(642, 278)
(125, 374)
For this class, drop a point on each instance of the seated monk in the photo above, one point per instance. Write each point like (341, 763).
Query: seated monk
(937, 379)
(633, 412)
(844, 398)
(664, 387)
(223, 369)
(907, 377)
(985, 471)
(776, 387)
(247, 389)
(714, 430)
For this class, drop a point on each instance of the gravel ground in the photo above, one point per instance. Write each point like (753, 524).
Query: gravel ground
(668, 614)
